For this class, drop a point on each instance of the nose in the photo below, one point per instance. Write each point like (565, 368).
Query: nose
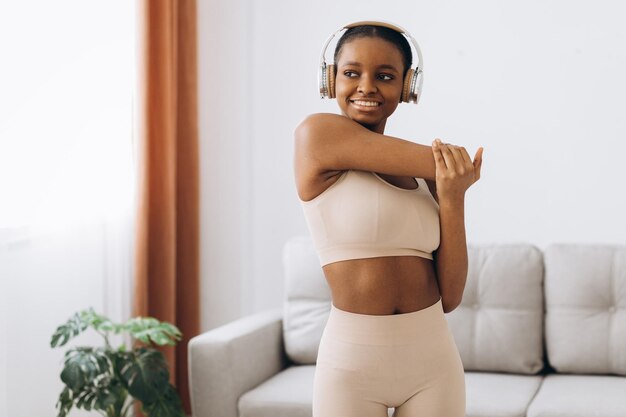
(366, 85)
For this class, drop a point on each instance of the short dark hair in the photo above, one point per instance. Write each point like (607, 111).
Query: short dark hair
(383, 32)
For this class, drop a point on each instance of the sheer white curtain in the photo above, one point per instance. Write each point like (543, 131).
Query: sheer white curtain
(67, 179)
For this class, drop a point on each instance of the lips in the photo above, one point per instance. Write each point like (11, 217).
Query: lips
(366, 104)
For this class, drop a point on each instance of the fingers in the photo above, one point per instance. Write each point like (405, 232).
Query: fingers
(461, 164)
(439, 161)
(478, 158)
(444, 148)
(456, 160)
(478, 162)
(466, 158)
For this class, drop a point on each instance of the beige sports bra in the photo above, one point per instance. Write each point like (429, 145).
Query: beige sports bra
(363, 216)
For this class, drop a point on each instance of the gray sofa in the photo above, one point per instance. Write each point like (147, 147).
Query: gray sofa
(540, 333)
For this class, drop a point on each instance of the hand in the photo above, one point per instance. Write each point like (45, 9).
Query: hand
(455, 172)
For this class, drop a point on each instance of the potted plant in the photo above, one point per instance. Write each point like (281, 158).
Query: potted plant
(110, 380)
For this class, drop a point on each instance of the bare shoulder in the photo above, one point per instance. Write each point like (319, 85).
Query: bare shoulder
(312, 177)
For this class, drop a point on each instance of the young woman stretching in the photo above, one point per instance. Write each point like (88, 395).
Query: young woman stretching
(387, 219)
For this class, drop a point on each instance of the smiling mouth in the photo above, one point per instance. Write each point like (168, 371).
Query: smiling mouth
(365, 103)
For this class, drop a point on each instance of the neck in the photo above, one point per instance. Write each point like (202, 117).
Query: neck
(379, 128)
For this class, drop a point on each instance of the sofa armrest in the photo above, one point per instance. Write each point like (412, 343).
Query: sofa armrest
(228, 361)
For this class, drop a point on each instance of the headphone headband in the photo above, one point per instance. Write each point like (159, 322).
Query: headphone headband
(389, 25)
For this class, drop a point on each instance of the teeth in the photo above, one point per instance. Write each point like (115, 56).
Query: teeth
(366, 103)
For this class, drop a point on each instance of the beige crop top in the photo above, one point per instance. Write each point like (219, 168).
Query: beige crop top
(363, 216)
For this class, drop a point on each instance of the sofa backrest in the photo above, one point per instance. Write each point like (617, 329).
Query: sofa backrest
(497, 327)
(585, 291)
(307, 300)
(576, 293)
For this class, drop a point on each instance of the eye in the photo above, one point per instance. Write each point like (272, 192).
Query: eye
(389, 77)
(347, 73)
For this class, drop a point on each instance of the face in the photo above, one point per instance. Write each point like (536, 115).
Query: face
(368, 85)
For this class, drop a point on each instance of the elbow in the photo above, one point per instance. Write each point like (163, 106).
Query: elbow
(320, 123)
(449, 305)
(311, 124)
(311, 127)
(302, 135)
(303, 129)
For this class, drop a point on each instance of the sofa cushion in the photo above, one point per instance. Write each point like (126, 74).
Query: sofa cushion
(499, 394)
(307, 300)
(585, 290)
(580, 396)
(290, 394)
(287, 394)
(499, 324)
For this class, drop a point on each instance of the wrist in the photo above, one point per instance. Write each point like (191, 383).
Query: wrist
(451, 201)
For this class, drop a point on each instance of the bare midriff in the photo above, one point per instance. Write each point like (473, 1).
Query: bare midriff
(383, 285)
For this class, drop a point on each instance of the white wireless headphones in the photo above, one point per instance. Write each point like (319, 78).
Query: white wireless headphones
(412, 87)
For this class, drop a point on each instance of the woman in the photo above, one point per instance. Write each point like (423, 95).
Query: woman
(387, 219)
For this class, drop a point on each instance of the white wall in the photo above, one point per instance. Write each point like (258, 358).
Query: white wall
(226, 152)
(66, 186)
(47, 278)
(539, 84)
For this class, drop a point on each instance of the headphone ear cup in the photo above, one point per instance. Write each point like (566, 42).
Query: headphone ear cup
(330, 77)
(412, 87)
(406, 86)
(417, 87)
(322, 82)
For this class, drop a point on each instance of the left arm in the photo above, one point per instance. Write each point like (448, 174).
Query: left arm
(455, 172)
(451, 256)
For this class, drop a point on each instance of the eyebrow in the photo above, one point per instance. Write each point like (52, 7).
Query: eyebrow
(385, 66)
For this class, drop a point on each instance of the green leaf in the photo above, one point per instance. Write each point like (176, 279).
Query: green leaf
(105, 326)
(121, 359)
(86, 399)
(65, 402)
(118, 328)
(148, 329)
(171, 330)
(105, 393)
(83, 365)
(167, 405)
(147, 375)
(73, 327)
(110, 380)
(106, 397)
(78, 323)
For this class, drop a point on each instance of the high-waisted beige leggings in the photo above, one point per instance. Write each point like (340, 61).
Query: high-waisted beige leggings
(369, 363)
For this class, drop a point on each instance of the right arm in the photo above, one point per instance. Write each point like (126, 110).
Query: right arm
(327, 142)
(456, 172)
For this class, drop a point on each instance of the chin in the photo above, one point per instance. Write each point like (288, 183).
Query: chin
(365, 120)
(368, 124)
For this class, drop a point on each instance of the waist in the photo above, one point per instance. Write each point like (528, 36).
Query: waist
(392, 329)
(385, 285)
